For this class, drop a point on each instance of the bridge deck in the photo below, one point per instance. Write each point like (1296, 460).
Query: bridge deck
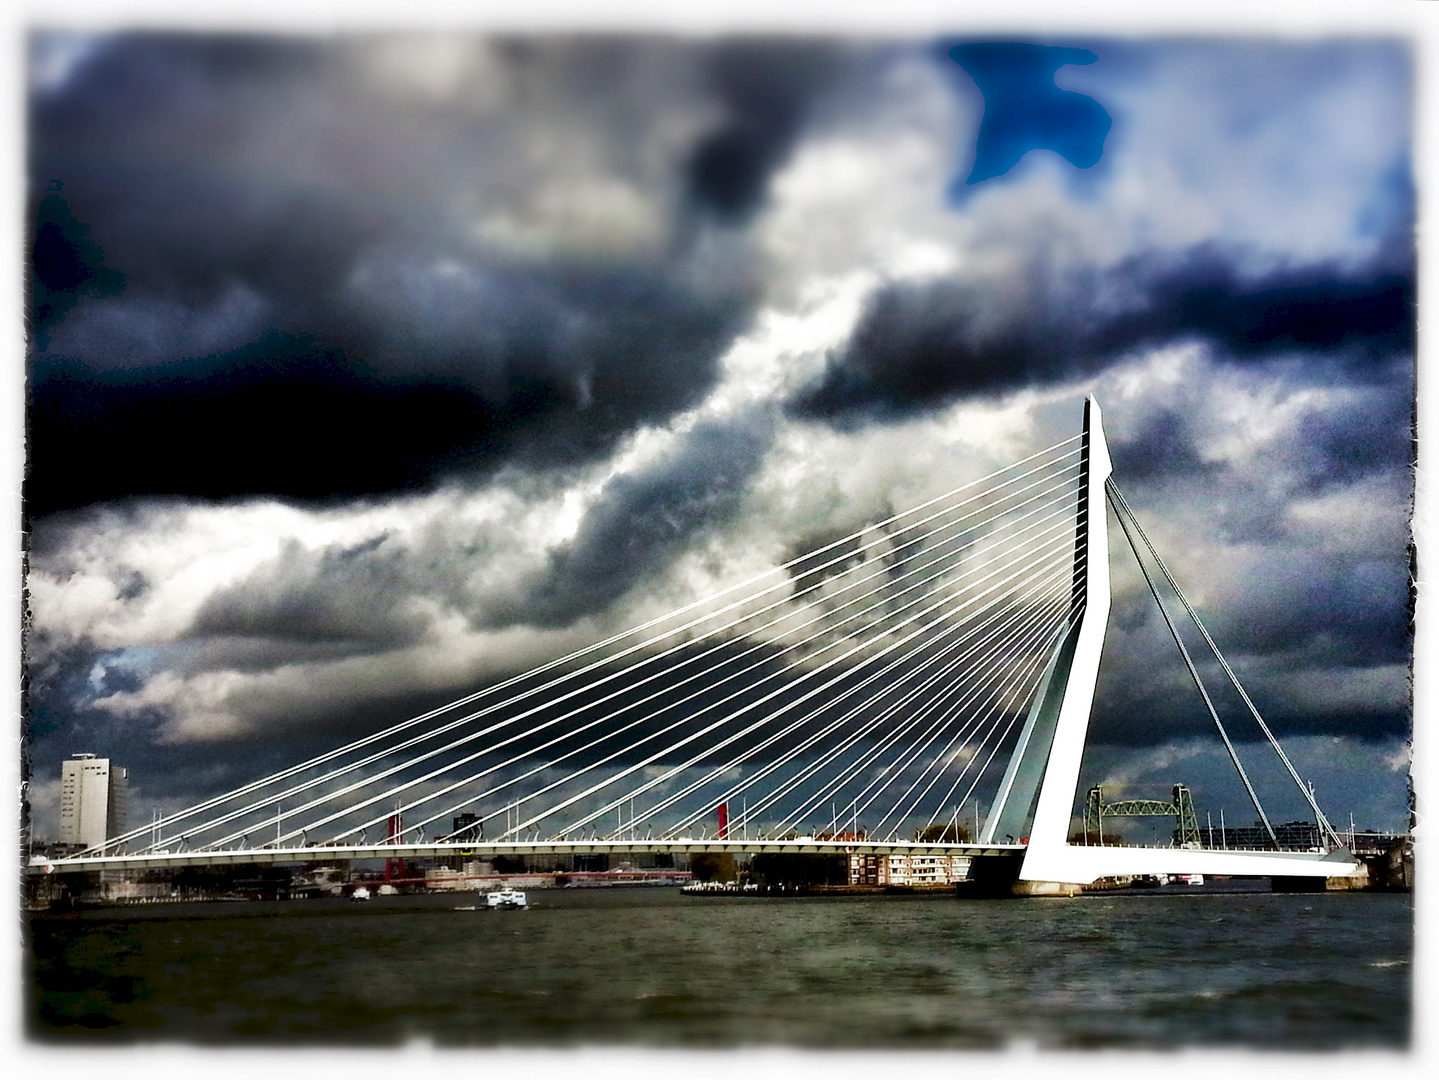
(485, 849)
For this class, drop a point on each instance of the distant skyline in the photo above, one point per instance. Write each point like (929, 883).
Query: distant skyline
(364, 370)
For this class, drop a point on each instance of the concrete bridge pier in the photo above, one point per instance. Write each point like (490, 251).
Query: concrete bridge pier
(1046, 888)
(997, 876)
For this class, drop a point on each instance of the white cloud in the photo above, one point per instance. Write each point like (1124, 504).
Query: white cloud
(1366, 519)
(1272, 149)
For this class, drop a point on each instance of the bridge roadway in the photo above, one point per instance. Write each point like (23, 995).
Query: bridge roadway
(176, 860)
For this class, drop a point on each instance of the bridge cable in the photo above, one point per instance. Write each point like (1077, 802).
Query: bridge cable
(1008, 632)
(1116, 496)
(771, 716)
(810, 740)
(999, 637)
(330, 755)
(450, 726)
(747, 708)
(789, 648)
(418, 739)
(1021, 669)
(1021, 675)
(1081, 564)
(1194, 674)
(838, 749)
(1024, 636)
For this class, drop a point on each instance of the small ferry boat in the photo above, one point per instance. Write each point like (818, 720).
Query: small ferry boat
(507, 898)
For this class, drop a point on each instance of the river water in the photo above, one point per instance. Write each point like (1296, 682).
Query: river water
(651, 967)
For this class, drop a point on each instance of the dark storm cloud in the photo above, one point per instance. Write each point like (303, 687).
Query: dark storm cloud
(337, 594)
(1375, 432)
(1339, 612)
(152, 143)
(766, 88)
(300, 417)
(1313, 628)
(66, 263)
(1163, 449)
(1367, 430)
(1323, 612)
(919, 346)
(644, 520)
(1141, 712)
(246, 281)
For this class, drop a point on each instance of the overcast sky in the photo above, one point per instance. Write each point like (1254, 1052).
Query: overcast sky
(364, 370)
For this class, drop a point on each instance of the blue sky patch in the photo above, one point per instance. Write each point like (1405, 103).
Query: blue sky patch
(1024, 110)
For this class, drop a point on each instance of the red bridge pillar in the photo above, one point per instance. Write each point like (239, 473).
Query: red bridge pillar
(392, 835)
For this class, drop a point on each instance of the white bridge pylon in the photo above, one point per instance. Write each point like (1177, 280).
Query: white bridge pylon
(1049, 855)
(855, 699)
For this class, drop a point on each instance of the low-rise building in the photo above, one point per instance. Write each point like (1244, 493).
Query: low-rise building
(919, 869)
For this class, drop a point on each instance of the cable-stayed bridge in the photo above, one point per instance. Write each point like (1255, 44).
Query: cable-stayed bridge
(929, 671)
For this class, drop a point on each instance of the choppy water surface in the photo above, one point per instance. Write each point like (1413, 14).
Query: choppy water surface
(649, 966)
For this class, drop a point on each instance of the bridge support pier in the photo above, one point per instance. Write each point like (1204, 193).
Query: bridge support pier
(994, 877)
(1348, 884)
(991, 877)
(1047, 888)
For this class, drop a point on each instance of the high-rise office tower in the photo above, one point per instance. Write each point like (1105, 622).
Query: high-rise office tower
(92, 800)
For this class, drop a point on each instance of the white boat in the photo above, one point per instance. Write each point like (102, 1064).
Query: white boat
(1192, 879)
(506, 898)
(360, 893)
